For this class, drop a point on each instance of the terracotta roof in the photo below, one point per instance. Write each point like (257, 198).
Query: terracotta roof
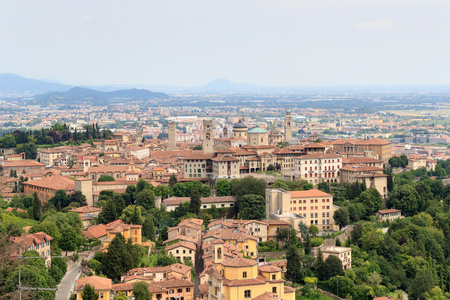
(269, 269)
(225, 158)
(22, 163)
(309, 193)
(182, 244)
(239, 262)
(388, 211)
(86, 209)
(266, 296)
(179, 200)
(180, 268)
(99, 283)
(53, 183)
(26, 239)
(319, 155)
(95, 231)
(359, 168)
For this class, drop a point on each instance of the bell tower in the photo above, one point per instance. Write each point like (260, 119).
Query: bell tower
(208, 141)
(172, 136)
(218, 253)
(288, 125)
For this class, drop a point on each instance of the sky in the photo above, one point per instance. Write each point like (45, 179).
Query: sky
(190, 42)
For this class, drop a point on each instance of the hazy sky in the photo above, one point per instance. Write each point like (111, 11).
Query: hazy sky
(190, 42)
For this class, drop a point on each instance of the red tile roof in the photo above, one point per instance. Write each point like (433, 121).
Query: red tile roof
(309, 193)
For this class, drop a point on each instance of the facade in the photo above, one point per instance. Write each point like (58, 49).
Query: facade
(389, 214)
(343, 253)
(22, 166)
(246, 242)
(372, 176)
(207, 202)
(225, 167)
(49, 156)
(208, 136)
(197, 165)
(182, 251)
(240, 278)
(46, 187)
(310, 207)
(318, 167)
(288, 125)
(380, 147)
(257, 137)
(129, 231)
(102, 285)
(38, 241)
(172, 136)
(240, 129)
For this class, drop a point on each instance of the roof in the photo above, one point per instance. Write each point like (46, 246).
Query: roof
(239, 262)
(182, 244)
(26, 239)
(225, 158)
(269, 269)
(309, 193)
(95, 231)
(360, 167)
(257, 130)
(388, 211)
(22, 163)
(53, 183)
(204, 200)
(99, 283)
(239, 124)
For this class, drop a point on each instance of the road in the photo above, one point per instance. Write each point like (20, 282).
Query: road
(66, 285)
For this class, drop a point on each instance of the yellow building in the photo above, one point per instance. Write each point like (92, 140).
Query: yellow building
(246, 242)
(129, 231)
(239, 278)
(101, 285)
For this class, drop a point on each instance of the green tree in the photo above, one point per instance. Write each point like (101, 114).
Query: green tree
(121, 296)
(215, 212)
(324, 186)
(223, 187)
(270, 167)
(318, 265)
(294, 266)
(146, 199)
(105, 177)
(372, 200)
(78, 197)
(195, 203)
(406, 199)
(307, 245)
(142, 185)
(341, 217)
(148, 229)
(141, 291)
(132, 214)
(60, 197)
(252, 207)
(332, 266)
(89, 293)
(108, 213)
(131, 191)
(119, 203)
(173, 180)
(303, 230)
(313, 230)
(286, 236)
(37, 207)
(68, 241)
(121, 257)
(163, 234)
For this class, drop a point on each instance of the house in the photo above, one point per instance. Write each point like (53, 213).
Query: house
(240, 278)
(95, 232)
(103, 286)
(45, 188)
(318, 167)
(343, 253)
(389, 214)
(167, 289)
(128, 231)
(182, 250)
(38, 241)
(246, 242)
(87, 214)
(22, 166)
(207, 202)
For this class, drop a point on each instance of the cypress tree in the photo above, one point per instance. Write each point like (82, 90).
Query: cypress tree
(37, 207)
(195, 203)
(89, 293)
(294, 266)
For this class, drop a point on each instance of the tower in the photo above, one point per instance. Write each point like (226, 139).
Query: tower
(172, 136)
(84, 185)
(225, 132)
(288, 125)
(208, 141)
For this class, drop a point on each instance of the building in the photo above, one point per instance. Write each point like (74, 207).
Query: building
(246, 242)
(348, 147)
(183, 250)
(372, 176)
(102, 285)
(45, 188)
(417, 162)
(197, 165)
(389, 214)
(208, 137)
(318, 167)
(87, 214)
(310, 207)
(38, 241)
(166, 289)
(128, 231)
(257, 137)
(288, 125)
(240, 278)
(240, 129)
(225, 167)
(172, 136)
(343, 253)
(22, 166)
(207, 202)
(49, 156)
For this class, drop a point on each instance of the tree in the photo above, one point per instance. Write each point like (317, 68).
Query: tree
(307, 245)
(313, 230)
(215, 212)
(287, 235)
(332, 266)
(422, 283)
(406, 199)
(163, 234)
(132, 214)
(248, 185)
(68, 241)
(303, 230)
(89, 293)
(108, 213)
(121, 257)
(173, 180)
(131, 191)
(372, 200)
(78, 197)
(223, 187)
(195, 203)
(318, 265)
(141, 291)
(294, 266)
(148, 229)
(119, 203)
(121, 296)
(142, 185)
(60, 197)
(341, 217)
(252, 207)
(105, 177)
(146, 199)
(270, 167)
(37, 207)
(324, 186)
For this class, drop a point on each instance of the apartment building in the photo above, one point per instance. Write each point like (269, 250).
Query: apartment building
(318, 167)
(38, 241)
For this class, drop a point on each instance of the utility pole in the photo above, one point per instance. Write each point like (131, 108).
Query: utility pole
(32, 288)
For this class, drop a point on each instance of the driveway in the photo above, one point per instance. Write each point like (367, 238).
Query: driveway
(66, 285)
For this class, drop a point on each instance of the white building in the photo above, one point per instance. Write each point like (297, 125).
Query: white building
(318, 167)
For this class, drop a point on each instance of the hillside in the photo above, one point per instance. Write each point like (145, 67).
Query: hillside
(12, 84)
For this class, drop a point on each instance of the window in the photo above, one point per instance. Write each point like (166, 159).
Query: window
(101, 295)
(274, 277)
(48, 252)
(274, 290)
(247, 294)
(244, 274)
(188, 290)
(179, 290)
(170, 291)
(204, 206)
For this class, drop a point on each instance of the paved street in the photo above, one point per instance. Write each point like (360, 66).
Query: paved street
(66, 285)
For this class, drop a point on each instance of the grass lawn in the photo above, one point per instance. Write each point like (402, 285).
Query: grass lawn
(321, 297)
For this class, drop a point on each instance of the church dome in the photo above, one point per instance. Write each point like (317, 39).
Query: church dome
(240, 124)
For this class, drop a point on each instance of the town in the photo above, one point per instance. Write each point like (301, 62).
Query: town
(230, 202)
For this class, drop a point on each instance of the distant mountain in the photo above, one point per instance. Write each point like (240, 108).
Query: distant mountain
(223, 84)
(79, 94)
(13, 84)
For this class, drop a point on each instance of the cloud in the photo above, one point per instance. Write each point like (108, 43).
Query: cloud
(86, 17)
(381, 23)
